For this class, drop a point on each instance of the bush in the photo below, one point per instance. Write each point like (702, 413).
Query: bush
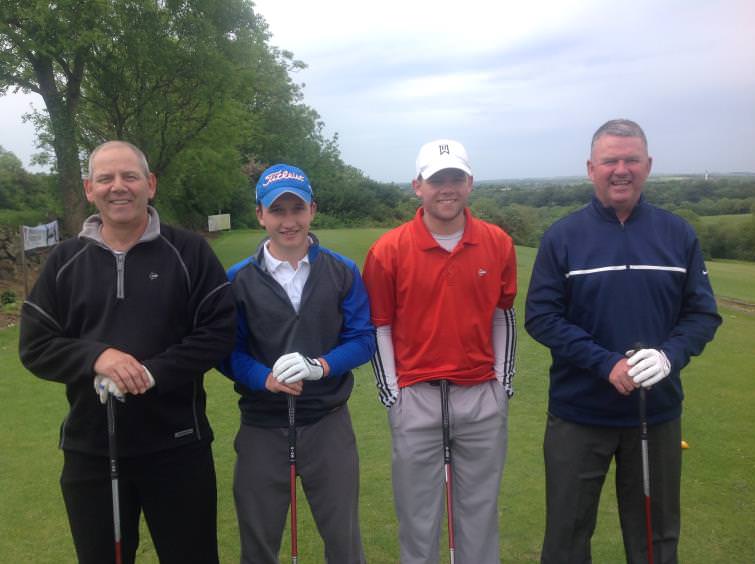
(16, 218)
(8, 297)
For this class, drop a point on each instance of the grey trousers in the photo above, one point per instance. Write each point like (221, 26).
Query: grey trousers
(478, 417)
(577, 458)
(328, 465)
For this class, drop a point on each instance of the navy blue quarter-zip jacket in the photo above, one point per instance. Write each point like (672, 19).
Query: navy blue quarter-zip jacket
(598, 288)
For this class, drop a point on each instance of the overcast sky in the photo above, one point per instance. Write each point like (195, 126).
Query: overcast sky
(522, 84)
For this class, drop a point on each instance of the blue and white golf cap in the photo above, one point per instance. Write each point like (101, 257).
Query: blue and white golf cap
(281, 179)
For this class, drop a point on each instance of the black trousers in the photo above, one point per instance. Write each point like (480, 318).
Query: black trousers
(176, 490)
(577, 458)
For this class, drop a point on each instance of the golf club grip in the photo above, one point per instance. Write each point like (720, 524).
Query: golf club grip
(291, 428)
(645, 464)
(445, 422)
(292, 473)
(113, 459)
(447, 470)
(643, 415)
(112, 447)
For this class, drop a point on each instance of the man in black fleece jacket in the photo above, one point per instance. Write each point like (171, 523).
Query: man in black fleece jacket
(141, 310)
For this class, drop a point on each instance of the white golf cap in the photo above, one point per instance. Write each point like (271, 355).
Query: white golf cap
(440, 154)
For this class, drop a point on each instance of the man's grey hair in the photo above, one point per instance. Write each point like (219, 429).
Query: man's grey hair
(619, 128)
(137, 151)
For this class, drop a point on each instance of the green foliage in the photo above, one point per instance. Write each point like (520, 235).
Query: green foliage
(46, 47)
(526, 210)
(194, 84)
(8, 297)
(16, 218)
(21, 190)
(517, 220)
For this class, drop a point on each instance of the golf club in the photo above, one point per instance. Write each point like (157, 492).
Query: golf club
(447, 467)
(645, 461)
(113, 453)
(646, 473)
(292, 466)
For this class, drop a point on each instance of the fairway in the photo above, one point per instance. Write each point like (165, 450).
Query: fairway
(733, 279)
(718, 487)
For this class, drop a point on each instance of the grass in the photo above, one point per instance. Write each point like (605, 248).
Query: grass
(718, 487)
(733, 279)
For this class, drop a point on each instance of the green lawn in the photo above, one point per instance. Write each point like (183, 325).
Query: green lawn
(718, 487)
(733, 279)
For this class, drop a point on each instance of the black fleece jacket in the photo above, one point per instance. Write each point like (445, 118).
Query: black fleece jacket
(166, 302)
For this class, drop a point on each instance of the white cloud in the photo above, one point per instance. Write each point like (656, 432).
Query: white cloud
(15, 135)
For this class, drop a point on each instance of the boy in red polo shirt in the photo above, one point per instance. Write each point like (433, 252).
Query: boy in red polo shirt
(442, 290)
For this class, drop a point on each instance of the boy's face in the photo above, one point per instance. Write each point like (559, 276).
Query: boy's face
(287, 223)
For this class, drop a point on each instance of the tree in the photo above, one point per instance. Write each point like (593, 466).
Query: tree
(158, 74)
(164, 71)
(45, 47)
(171, 78)
(193, 83)
(20, 190)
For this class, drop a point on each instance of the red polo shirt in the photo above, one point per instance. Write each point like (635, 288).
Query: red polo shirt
(440, 304)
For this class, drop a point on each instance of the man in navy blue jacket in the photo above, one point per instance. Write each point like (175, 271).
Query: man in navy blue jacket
(620, 294)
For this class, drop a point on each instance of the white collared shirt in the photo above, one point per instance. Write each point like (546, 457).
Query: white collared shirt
(292, 281)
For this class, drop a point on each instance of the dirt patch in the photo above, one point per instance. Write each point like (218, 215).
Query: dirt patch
(738, 305)
(8, 320)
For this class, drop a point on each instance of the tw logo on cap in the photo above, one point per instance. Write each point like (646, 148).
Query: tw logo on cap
(444, 149)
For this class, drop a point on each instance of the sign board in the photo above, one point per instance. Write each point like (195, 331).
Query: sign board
(44, 235)
(219, 222)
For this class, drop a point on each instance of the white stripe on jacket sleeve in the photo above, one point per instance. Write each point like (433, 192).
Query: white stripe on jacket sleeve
(504, 347)
(384, 367)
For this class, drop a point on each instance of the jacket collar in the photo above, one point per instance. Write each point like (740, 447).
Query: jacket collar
(92, 228)
(609, 214)
(259, 253)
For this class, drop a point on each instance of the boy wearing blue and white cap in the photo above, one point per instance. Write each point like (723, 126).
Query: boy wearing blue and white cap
(303, 325)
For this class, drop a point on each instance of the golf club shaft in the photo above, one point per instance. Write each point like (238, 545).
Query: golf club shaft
(113, 454)
(646, 473)
(447, 467)
(292, 468)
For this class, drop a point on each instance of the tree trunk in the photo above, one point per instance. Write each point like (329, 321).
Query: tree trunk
(62, 111)
(69, 179)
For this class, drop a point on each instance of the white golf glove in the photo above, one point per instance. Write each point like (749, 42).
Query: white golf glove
(649, 366)
(292, 367)
(104, 386)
